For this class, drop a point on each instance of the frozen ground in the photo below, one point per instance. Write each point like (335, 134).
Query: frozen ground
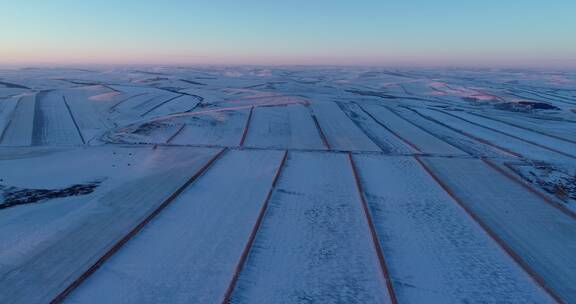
(287, 185)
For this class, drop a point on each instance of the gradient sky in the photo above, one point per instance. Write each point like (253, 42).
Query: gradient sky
(366, 32)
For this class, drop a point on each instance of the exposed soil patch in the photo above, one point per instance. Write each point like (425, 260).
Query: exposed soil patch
(148, 127)
(538, 105)
(11, 196)
(551, 179)
(525, 106)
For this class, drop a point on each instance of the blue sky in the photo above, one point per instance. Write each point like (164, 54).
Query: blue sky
(384, 32)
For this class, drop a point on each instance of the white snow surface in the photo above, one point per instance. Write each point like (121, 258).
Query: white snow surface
(143, 184)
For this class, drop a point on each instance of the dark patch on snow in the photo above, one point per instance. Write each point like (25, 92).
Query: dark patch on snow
(13, 196)
(148, 128)
(470, 99)
(288, 192)
(551, 179)
(538, 105)
(525, 106)
(203, 121)
(206, 106)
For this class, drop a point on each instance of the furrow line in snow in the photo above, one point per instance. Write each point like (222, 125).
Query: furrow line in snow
(402, 139)
(359, 126)
(113, 108)
(341, 132)
(423, 129)
(474, 137)
(525, 185)
(510, 135)
(246, 127)
(175, 134)
(320, 131)
(37, 121)
(374, 236)
(160, 104)
(134, 231)
(258, 148)
(523, 127)
(517, 258)
(550, 97)
(111, 88)
(9, 121)
(252, 237)
(73, 119)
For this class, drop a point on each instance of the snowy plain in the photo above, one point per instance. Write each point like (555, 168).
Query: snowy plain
(287, 185)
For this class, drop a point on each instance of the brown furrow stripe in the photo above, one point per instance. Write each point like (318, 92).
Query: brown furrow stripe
(517, 258)
(10, 120)
(118, 245)
(159, 105)
(171, 138)
(524, 128)
(372, 138)
(113, 108)
(253, 232)
(73, 119)
(424, 129)
(375, 240)
(320, 131)
(402, 139)
(510, 135)
(246, 127)
(474, 137)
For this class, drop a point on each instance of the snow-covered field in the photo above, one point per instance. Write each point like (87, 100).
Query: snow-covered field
(287, 185)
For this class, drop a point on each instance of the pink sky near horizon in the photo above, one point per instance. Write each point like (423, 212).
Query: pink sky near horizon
(56, 57)
(533, 33)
